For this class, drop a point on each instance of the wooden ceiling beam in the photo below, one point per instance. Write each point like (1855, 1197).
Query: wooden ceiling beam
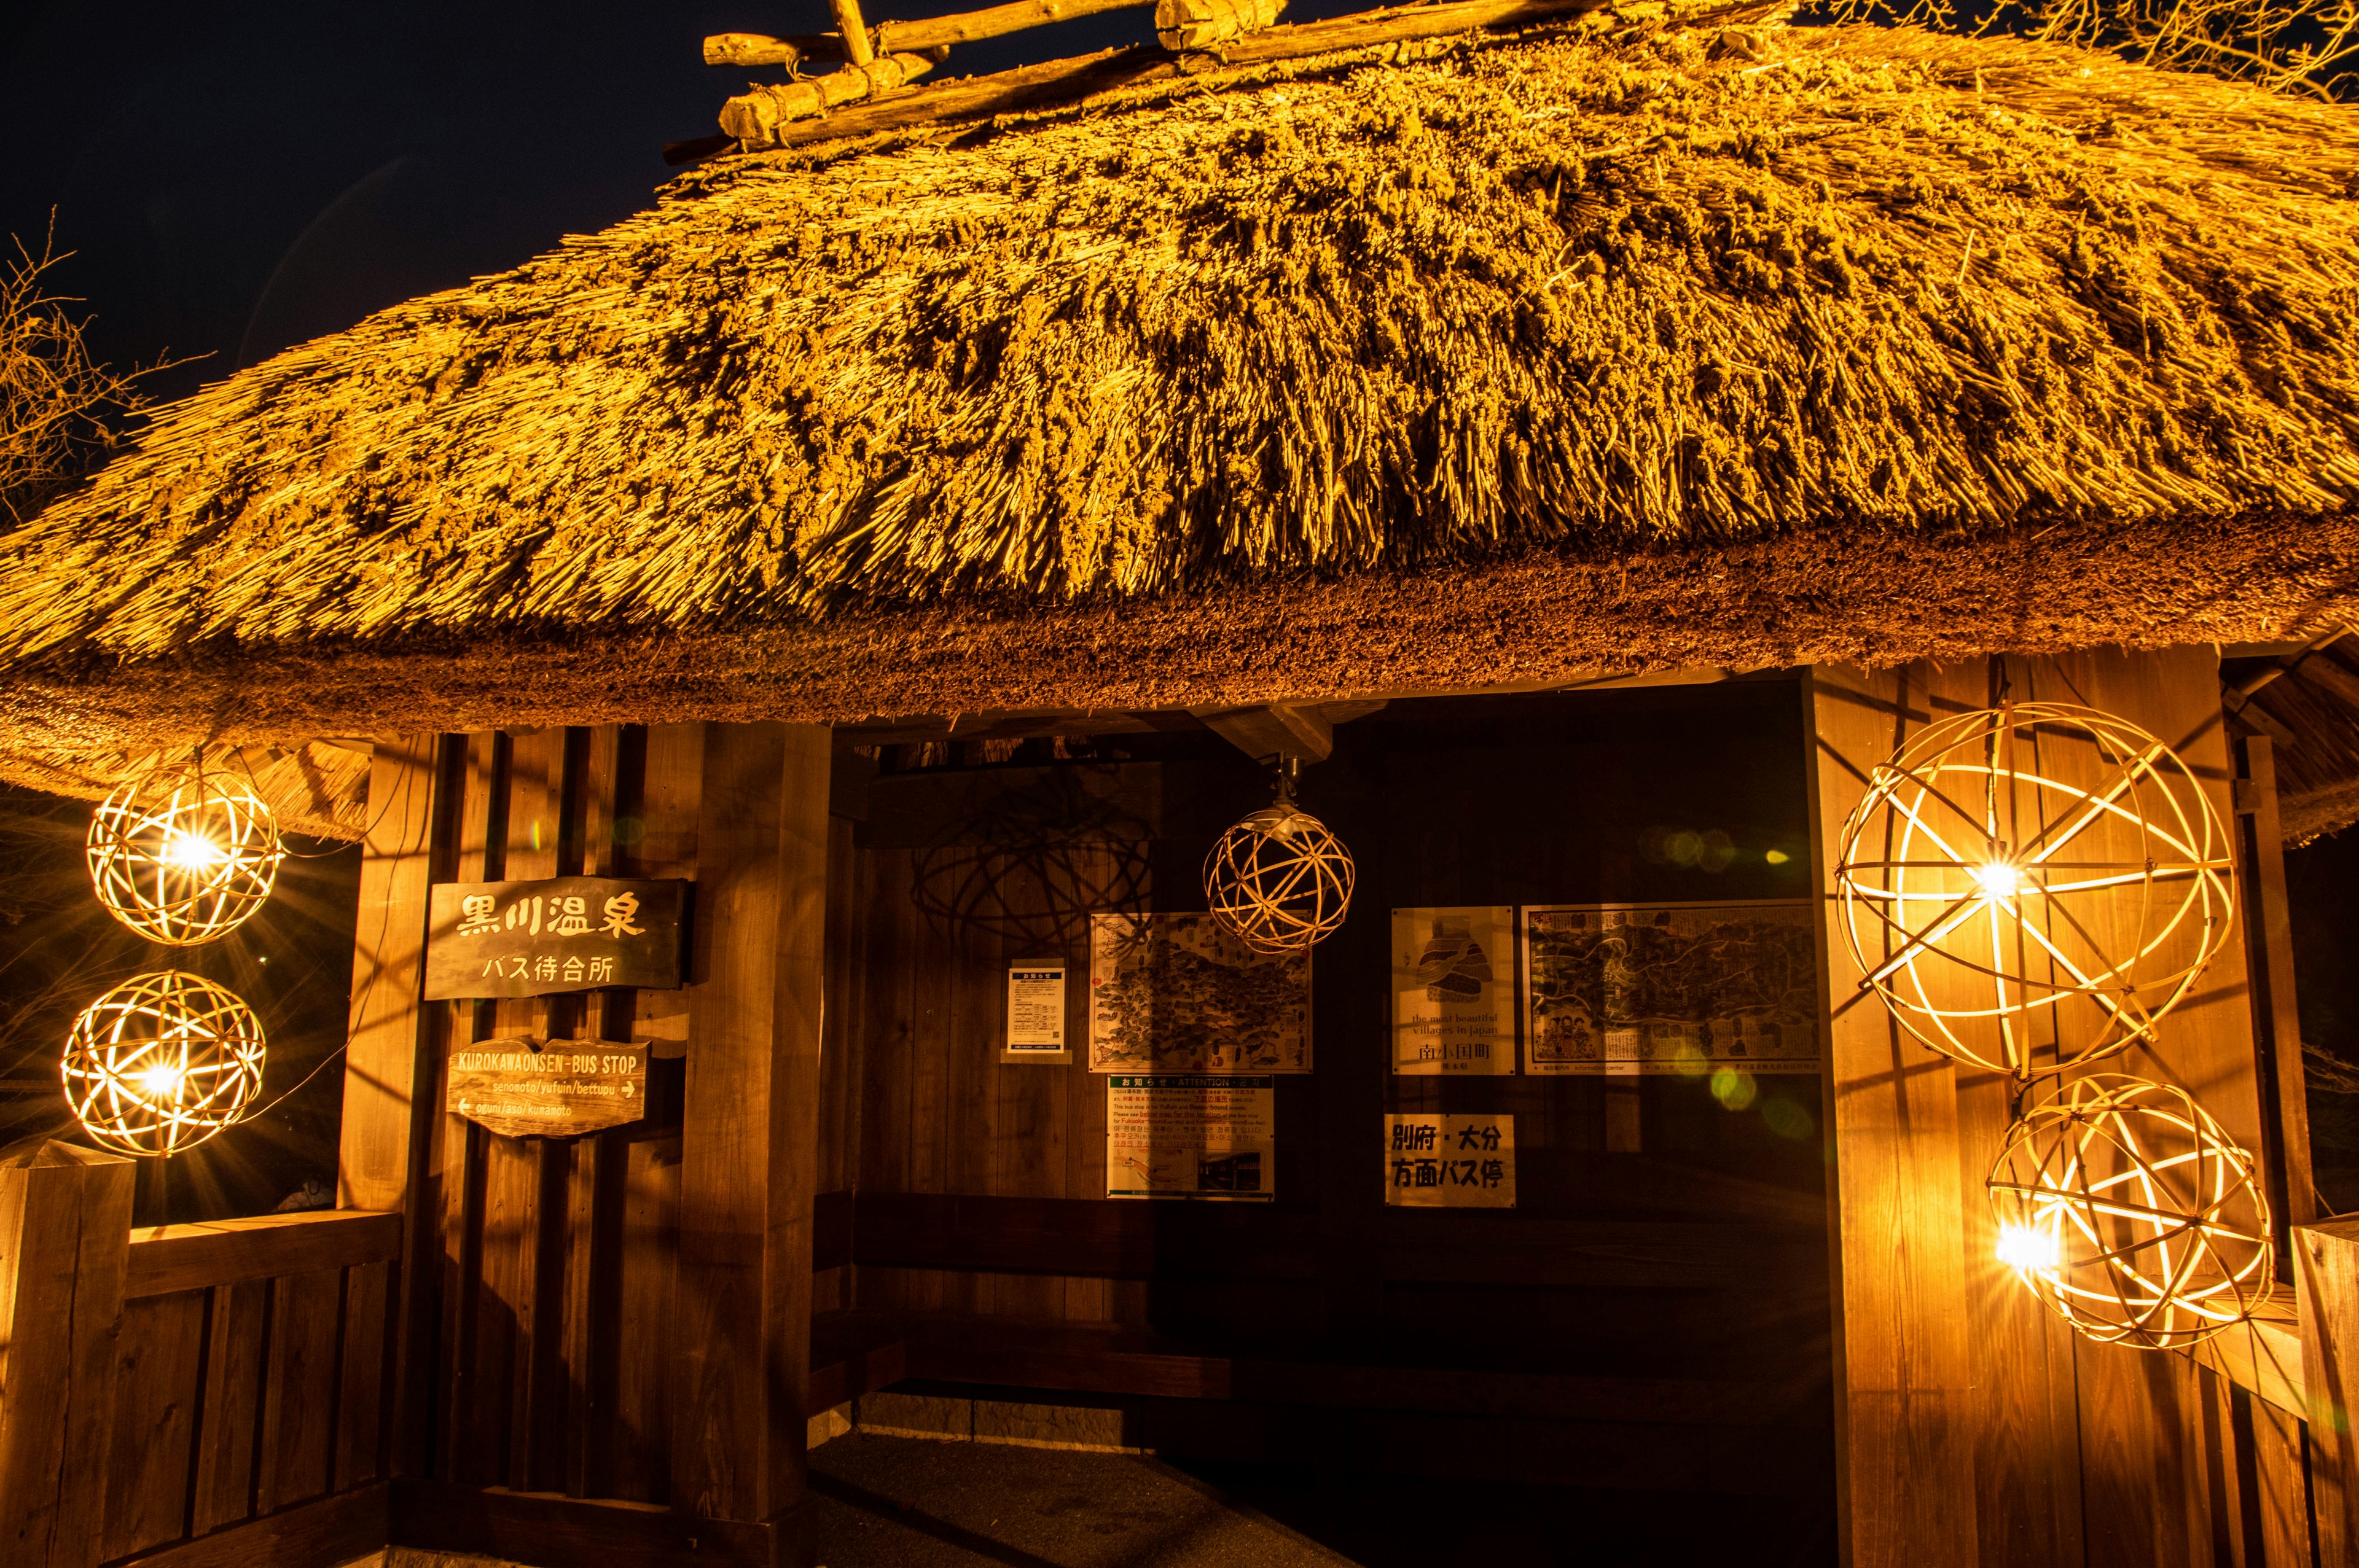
(1291, 729)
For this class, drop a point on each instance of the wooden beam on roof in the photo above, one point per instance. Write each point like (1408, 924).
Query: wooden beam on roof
(1286, 729)
(1065, 82)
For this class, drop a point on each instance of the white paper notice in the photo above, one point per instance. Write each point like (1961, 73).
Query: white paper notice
(1187, 1136)
(1036, 1010)
(1450, 1162)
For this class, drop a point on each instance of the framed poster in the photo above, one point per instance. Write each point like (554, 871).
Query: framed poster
(1450, 1162)
(1453, 992)
(1177, 993)
(1179, 1135)
(1036, 1014)
(1670, 988)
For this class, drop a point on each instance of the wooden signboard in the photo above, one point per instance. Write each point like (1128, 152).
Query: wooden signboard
(526, 1088)
(564, 934)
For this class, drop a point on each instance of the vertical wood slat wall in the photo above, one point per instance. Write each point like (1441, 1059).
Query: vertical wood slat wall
(583, 1306)
(1976, 1430)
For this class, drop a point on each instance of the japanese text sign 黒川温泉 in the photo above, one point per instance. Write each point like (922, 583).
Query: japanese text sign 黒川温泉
(566, 934)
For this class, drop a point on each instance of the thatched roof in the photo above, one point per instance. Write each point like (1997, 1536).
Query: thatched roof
(1486, 361)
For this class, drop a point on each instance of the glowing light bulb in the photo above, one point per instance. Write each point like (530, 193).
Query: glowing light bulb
(162, 1083)
(2028, 1248)
(191, 852)
(1999, 880)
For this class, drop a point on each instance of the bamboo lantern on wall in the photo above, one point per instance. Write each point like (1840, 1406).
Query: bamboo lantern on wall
(2033, 883)
(183, 858)
(163, 1062)
(2133, 1214)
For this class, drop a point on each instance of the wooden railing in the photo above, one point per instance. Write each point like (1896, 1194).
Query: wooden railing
(189, 1395)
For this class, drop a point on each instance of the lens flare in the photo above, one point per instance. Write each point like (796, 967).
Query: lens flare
(2029, 1248)
(1999, 879)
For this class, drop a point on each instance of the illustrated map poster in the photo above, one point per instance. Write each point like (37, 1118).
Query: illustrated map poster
(1177, 993)
(1450, 1162)
(556, 1088)
(1179, 1135)
(559, 934)
(1453, 990)
(1671, 988)
(1036, 1013)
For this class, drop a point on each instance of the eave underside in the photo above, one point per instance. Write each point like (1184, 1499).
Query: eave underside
(1538, 622)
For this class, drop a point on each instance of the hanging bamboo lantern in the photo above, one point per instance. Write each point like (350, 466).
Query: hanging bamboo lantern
(163, 1062)
(2033, 882)
(183, 858)
(2131, 1214)
(1279, 879)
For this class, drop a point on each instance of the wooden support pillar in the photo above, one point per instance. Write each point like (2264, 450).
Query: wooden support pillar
(749, 1143)
(1904, 1399)
(390, 1054)
(65, 1237)
(1974, 1427)
(2326, 1269)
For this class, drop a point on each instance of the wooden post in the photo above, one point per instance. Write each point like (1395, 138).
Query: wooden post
(748, 1141)
(2269, 925)
(65, 1237)
(389, 1055)
(858, 49)
(2326, 1270)
(1905, 1397)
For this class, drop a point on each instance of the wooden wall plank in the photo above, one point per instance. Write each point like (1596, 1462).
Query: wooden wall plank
(362, 1410)
(392, 1063)
(167, 1259)
(650, 1247)
(299, 1388)
(2326, 1263)
(237, 1338)
(479, 855)
(387, 1064)
(159, 1356)
(2268, 931)
(748, 1175)
(1908, 1407)
(65, 1223)
(339, 1528)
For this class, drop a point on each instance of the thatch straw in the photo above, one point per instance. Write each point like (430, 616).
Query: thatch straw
(1478, 361)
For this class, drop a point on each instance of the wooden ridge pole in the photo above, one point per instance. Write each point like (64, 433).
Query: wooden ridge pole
(1066, 82)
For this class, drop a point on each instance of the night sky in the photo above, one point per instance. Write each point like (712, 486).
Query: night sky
(235, 178)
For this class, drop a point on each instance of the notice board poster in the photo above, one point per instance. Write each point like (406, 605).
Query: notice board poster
(1450, 1162)
(1173, 1135)
(1178, 993)
(1453, 993)
(1036, 1014)
(1672, 987)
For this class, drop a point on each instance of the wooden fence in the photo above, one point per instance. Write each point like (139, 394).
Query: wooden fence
(191, 1395)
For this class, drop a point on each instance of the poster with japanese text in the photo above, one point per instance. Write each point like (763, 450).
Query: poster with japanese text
(1450, 1162)
(1177, 993)
(1453, 992)
(1036, 1014)
(1179, 1135)
(1670, 988)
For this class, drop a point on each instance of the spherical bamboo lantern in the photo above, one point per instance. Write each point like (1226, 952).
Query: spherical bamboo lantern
(2033, 883)
(163, 1062)
(183, 858)
(1279, 879)
(2128, 1210)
